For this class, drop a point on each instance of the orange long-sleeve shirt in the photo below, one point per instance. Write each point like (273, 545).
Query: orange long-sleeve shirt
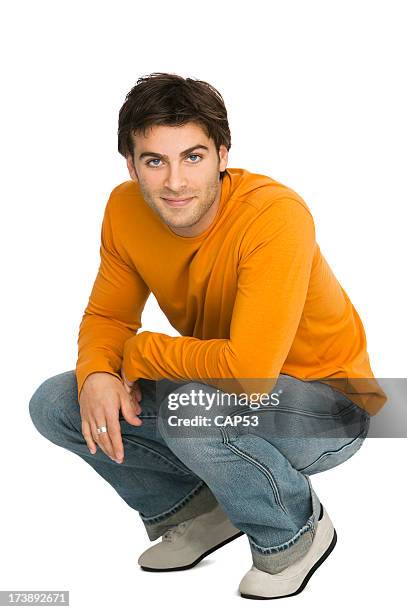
(252, 296)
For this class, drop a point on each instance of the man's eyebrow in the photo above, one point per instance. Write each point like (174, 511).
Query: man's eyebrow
(159, 156)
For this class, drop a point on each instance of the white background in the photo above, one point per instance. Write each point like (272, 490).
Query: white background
(316, 99)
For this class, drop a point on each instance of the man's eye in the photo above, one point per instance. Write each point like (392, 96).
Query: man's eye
(157, 160)
(152, 160)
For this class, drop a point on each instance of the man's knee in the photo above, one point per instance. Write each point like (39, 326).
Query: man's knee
(50, 402)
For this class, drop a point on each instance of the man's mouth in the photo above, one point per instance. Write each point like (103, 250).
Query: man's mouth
(177, 203)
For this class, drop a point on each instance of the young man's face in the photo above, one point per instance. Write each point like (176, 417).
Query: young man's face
(170, 172)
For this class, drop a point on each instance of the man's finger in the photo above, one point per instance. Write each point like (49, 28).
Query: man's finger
(129, 409)
(115, 434)
(134, 403)
(86, 432)
(137, 391)
(103, 439)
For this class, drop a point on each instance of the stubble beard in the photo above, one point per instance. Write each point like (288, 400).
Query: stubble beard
(192, 213)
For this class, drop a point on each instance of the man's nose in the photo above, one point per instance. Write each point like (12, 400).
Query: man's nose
(175, 180)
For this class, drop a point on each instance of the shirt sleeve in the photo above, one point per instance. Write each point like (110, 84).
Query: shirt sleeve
(113, 312)
(276, 255)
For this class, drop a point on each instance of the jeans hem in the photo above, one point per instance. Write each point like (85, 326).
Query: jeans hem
(198, 501)
(274, 559)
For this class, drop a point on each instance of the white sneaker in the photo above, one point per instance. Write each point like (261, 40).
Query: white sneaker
(186, 544)
(257, 584)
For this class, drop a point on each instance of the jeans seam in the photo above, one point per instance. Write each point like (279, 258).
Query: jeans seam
(332, 452)
(262, 468)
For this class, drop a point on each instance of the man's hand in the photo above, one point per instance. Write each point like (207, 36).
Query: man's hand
(101, 399)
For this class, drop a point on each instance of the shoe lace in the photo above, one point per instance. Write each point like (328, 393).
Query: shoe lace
(171, 534)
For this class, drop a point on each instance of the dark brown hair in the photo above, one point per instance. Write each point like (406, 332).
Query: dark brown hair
(163, 98)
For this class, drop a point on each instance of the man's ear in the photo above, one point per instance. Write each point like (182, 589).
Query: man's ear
(131, 168)
(223, 158)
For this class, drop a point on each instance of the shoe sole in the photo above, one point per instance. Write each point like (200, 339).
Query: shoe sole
(307, 577)
(185, 567)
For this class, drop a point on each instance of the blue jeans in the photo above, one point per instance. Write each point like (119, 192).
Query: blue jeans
(257, 469)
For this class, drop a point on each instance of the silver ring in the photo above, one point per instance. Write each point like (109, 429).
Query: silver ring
(101, 429)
